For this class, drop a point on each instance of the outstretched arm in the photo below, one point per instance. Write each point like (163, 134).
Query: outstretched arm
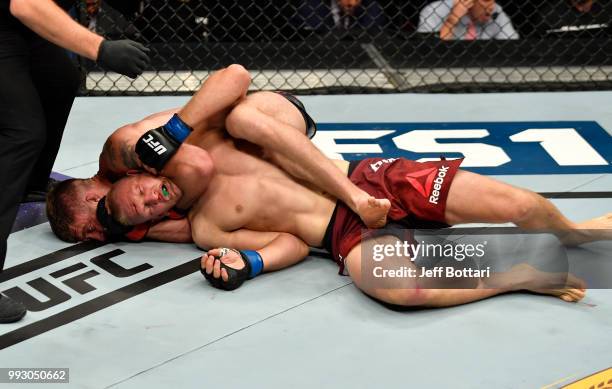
(228, 269)
(49, 21)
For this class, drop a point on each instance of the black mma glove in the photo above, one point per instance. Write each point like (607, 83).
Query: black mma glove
(253, 266)
(124, 56)
(157, 146)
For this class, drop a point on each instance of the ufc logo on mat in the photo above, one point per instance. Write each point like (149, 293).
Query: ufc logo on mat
(159, 149)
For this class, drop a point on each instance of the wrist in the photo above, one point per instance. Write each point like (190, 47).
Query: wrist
(96, 47)
(177, 128)
(255, 262)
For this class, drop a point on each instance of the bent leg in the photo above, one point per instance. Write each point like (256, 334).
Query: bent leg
(474, 198)
(272, 122)
(427, 292)
(498, 202)
(414, 291)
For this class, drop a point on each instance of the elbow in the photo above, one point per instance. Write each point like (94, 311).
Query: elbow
(240, 76)
(199, 170)
(21, 9)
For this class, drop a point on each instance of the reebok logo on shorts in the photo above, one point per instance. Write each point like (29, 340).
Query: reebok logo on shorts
(423, 188)
(423, 179)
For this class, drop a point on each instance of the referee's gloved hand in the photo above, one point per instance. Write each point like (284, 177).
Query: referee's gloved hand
(125, 56)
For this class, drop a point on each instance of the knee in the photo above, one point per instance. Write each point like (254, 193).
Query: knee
(519, 205)
(246, 122)
(412, 297)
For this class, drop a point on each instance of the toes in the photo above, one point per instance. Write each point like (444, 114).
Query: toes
(566, 298)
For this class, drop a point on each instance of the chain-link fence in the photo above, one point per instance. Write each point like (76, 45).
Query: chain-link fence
(345, 46)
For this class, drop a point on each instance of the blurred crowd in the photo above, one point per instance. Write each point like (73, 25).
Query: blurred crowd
(259, 20)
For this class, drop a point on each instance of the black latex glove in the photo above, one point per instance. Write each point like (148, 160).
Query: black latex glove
(125, 56)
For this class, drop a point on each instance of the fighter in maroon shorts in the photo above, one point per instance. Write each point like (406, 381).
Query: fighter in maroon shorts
(417, 191)
(253, 206)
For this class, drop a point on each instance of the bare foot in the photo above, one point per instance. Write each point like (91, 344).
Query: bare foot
(599, 228)
(570, 295)
(573, 291)
(373, 212)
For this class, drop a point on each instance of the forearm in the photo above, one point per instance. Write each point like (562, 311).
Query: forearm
(284, 251)
(220, 92)
(49, 21)
(228, 269)
(118, 154)
(448, 27)
(174, 231)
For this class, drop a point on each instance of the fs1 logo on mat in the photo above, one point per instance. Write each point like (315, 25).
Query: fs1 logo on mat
(489, 148)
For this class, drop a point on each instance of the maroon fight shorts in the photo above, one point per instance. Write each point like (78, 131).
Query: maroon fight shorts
(417, 191)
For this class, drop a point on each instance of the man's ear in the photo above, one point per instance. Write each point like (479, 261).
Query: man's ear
(93, 197)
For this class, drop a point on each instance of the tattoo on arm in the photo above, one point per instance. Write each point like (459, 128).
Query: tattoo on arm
(129, 157)
(116, 158)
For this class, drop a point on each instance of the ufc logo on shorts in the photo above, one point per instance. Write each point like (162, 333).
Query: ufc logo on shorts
(159, 149)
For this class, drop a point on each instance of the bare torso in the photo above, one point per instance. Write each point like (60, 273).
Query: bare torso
(247, 192)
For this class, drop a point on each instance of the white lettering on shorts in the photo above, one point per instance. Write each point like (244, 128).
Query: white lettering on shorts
(375, 166)
(437, 186)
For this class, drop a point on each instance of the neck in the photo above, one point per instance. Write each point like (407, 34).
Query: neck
(101, 180)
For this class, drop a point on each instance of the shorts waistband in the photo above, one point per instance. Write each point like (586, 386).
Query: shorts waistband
(327, 238)
(311, 126)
